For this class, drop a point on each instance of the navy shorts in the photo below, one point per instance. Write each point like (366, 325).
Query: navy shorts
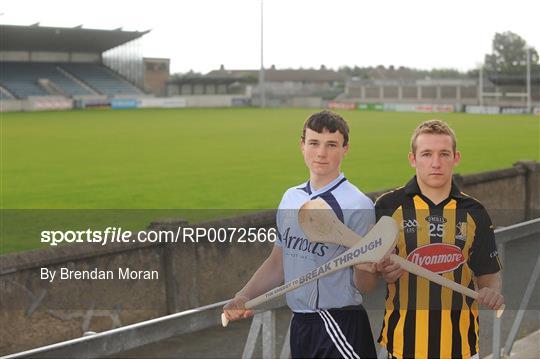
(332, 333)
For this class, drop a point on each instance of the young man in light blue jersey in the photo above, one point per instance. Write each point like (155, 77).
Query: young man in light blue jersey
(329, 320)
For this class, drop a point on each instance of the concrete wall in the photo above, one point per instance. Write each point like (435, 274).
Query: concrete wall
(449, 93)
(11, 105)
(306, 102)
(37, 104)
(14, 56)
(210, 100)
(504, 192)
(45, 103)
(35, 313)
(85, 57)
(49, 56)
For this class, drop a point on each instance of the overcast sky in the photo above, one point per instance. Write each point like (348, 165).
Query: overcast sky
(203, 34)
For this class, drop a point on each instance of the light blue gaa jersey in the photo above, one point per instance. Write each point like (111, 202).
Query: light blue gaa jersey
(300, 256)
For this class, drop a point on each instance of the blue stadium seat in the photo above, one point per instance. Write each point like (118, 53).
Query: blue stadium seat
(22, 79)
(101, 79)
(3, 96)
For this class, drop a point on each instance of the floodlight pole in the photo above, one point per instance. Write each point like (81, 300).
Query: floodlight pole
(528, 79)
(481, 85)
(261, 71)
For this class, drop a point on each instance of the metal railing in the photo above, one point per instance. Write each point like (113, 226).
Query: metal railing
(130, 336)
(502, 237)
(265, 322)
(154, 330)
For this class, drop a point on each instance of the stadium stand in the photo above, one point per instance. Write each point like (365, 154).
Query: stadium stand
(101, 79)
(20, 82)
(38, 79)
(69, 62)
(4, 94)
(42, 79)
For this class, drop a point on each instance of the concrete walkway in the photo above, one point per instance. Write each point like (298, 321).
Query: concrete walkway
(525, 348)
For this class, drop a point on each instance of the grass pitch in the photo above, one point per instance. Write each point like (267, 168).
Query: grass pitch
(219, 158)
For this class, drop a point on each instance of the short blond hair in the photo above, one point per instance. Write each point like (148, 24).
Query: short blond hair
(433, 127)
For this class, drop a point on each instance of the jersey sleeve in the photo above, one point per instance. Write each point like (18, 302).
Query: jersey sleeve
(383, 207)
(363, 218)
(281, 213)
(484, 258)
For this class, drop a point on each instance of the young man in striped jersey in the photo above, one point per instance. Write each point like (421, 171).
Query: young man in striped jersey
(447, 232)
(329, 320)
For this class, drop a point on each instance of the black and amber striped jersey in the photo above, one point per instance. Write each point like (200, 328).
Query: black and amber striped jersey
(453, 238)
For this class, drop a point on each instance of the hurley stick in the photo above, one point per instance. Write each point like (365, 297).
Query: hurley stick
(321, 225)
(372, 248)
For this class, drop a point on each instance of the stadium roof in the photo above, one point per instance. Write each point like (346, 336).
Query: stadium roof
(77, 39)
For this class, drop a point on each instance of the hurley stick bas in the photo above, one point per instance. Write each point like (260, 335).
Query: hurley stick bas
(380, 240)
(320, 225)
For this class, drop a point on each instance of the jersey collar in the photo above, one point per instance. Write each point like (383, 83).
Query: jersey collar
(309, 190)
(412, 188)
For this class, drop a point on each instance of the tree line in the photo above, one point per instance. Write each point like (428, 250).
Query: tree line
(508, 57)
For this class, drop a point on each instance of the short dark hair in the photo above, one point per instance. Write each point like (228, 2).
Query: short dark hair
(433, 127)
(327, 120)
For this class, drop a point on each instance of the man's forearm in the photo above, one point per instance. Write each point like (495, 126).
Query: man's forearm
(269, 275)
(364, 280)
(492, 281)
(489, 290)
